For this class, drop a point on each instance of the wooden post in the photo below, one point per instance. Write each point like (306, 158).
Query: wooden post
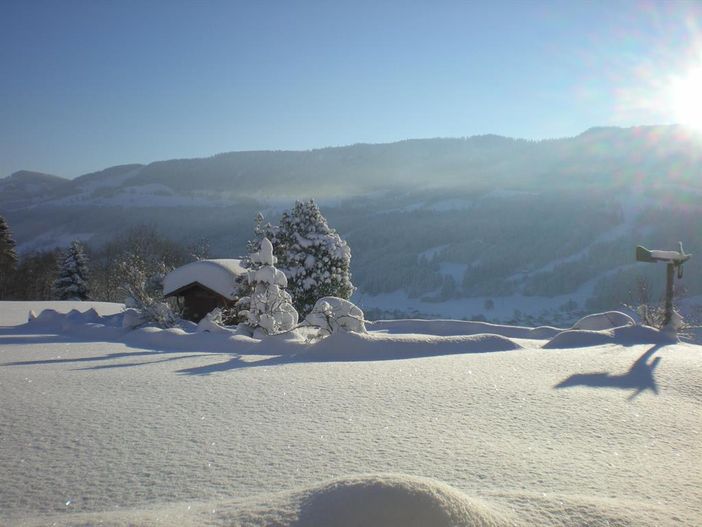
(674, 260)
(669, 293)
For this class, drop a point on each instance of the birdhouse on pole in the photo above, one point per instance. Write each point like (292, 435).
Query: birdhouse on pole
(674, 260)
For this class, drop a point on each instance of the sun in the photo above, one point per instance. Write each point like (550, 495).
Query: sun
(685, 94)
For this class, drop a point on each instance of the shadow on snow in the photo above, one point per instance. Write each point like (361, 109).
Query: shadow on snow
(338, 348)
(640, 377)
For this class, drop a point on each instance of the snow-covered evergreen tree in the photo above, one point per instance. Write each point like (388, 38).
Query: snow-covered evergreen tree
(72, 281)
(8, 258)
(269, 306)
(313, 256)
(261, 231)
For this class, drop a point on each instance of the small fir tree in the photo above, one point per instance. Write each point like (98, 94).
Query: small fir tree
(268, 305)
(261, 231)
(316, 261)
(8, 258)
(72, 281)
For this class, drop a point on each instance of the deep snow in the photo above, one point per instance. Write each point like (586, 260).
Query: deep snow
(102, 424)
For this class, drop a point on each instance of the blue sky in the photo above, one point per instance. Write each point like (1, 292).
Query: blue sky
(89, 84)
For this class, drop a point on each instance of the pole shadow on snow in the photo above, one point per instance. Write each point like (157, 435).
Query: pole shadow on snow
(640, 377)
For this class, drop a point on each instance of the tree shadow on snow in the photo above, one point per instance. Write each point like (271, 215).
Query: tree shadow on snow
(17, 337)
(178, 356)
(109, 356)
(639, 377)
(244, 355)
(155, 351)
(236, 362)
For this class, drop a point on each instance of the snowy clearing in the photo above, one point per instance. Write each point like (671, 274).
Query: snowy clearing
(478, 425)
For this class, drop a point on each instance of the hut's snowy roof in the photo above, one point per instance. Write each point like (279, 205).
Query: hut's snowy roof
(217, 275)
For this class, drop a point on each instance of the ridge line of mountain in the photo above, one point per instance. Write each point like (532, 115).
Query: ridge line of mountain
(23, 173)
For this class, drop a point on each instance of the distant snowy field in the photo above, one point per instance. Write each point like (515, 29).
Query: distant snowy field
(181, 428)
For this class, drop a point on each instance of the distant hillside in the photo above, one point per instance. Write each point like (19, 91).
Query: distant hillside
(641, 156)
(24, 188)
(454, 227)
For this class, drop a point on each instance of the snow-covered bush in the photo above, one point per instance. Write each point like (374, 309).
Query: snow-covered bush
(142, 244)
(268, 306)
(143, 292)
(652, 313)
(212, 321)
(72, 281)
(331, 313)
(313, 256)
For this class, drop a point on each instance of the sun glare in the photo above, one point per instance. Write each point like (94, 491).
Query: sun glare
(686, 98)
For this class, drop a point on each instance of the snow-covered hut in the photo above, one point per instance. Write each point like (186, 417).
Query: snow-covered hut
(203, 285)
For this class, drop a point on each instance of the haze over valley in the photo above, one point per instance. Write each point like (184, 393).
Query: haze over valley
(484, 226)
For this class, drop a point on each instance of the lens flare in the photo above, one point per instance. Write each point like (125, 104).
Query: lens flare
(685, 94)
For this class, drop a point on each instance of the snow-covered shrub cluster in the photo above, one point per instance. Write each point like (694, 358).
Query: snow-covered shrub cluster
(331, 313)
(268, 305)
(153, 250)
(72, 281)
(314, 258)
(143, 292)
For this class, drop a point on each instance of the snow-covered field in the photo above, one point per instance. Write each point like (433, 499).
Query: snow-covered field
(428, 423)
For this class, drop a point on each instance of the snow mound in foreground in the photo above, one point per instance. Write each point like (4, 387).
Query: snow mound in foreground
(394, 501)
(350, 346)
(340, 346)
(606, 320)
(625, 336)
(447, 328)
(376, 500)
(13, 313)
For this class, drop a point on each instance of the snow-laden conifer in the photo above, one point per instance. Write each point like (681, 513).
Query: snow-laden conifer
(8, 258)
(72, 281)
(269, 306)
(8, 254)
(316, 261)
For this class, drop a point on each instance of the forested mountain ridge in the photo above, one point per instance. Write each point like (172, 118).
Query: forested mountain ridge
(441, 226)
(599, 156)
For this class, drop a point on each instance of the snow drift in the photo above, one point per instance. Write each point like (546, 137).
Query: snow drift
(377, 346)
(96, 432)
(461, 327)
(606, 320)
(387, 340)
(374, 500)
(625, 336)
(291, 346)
(394, 501)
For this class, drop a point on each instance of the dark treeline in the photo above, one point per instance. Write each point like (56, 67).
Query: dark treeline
(31, 276)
